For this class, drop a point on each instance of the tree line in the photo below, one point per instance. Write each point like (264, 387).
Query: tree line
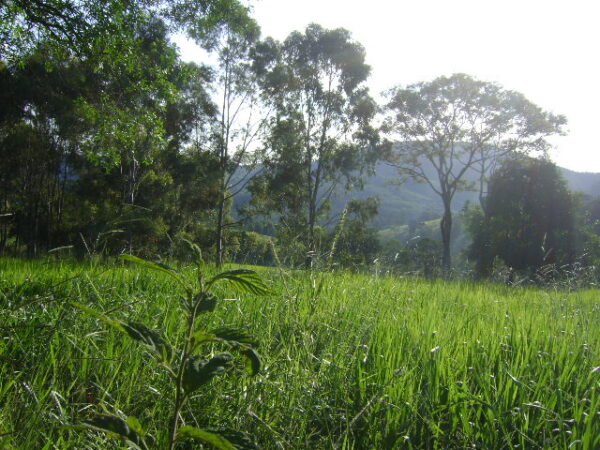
(109, 142)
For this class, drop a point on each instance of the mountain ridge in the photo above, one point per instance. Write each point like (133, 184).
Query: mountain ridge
(411, 202)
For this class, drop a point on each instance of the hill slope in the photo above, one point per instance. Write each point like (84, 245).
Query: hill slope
(413, 203)
(401, 204)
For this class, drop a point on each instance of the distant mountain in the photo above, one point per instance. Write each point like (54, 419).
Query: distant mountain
(401, 204)
(412, 204)
(586, 182)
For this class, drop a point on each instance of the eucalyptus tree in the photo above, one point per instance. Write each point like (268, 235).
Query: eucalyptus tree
(321, 133)
(241, 122)
(455, 125)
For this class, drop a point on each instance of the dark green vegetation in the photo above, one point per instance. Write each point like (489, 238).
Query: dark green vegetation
(418, 365)
(107, 138)
(528, 219)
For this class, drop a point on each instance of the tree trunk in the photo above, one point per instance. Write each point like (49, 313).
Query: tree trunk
(311, 247)
(223, 157)
(310, 241)
(4, 219)
(220, 227)
(482, 193)
(312, 213)
(446, 230)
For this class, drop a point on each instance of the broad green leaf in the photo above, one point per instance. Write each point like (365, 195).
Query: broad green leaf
(152, 339)
(137, 331)
(199, 372)
(158, 267)
(206, 302)
(239, 439)
(218, 441)
(115, 427)
(234, 336)
(202, 336)
(98, 315)
(254, 363)
(243, 279)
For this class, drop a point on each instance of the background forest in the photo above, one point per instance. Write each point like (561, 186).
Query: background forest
(110, 143)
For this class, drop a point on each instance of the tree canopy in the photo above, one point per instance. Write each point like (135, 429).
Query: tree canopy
(456, 124)
(101, 118)
(528, 221)
(321, 134)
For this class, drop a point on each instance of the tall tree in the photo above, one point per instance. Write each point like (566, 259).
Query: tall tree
(453, 125)
(321, 134)
(241, 121)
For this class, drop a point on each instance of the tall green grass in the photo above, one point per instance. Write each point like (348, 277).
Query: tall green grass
(351, 361)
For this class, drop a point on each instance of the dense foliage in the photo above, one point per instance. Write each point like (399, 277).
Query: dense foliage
(528, 219)
(111, 143)
(102, 126)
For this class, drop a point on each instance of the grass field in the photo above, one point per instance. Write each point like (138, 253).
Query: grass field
(350, 361)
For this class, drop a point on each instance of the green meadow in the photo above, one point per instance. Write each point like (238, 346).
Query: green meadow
(350, 361)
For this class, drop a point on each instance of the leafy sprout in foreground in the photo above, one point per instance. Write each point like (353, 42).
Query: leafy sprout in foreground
(188, 368)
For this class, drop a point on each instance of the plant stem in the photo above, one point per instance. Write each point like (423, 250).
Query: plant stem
(180, 396)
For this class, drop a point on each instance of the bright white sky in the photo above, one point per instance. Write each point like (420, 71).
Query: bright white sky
(548, 50)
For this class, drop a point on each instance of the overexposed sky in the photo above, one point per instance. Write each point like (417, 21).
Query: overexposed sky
(548, 50)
